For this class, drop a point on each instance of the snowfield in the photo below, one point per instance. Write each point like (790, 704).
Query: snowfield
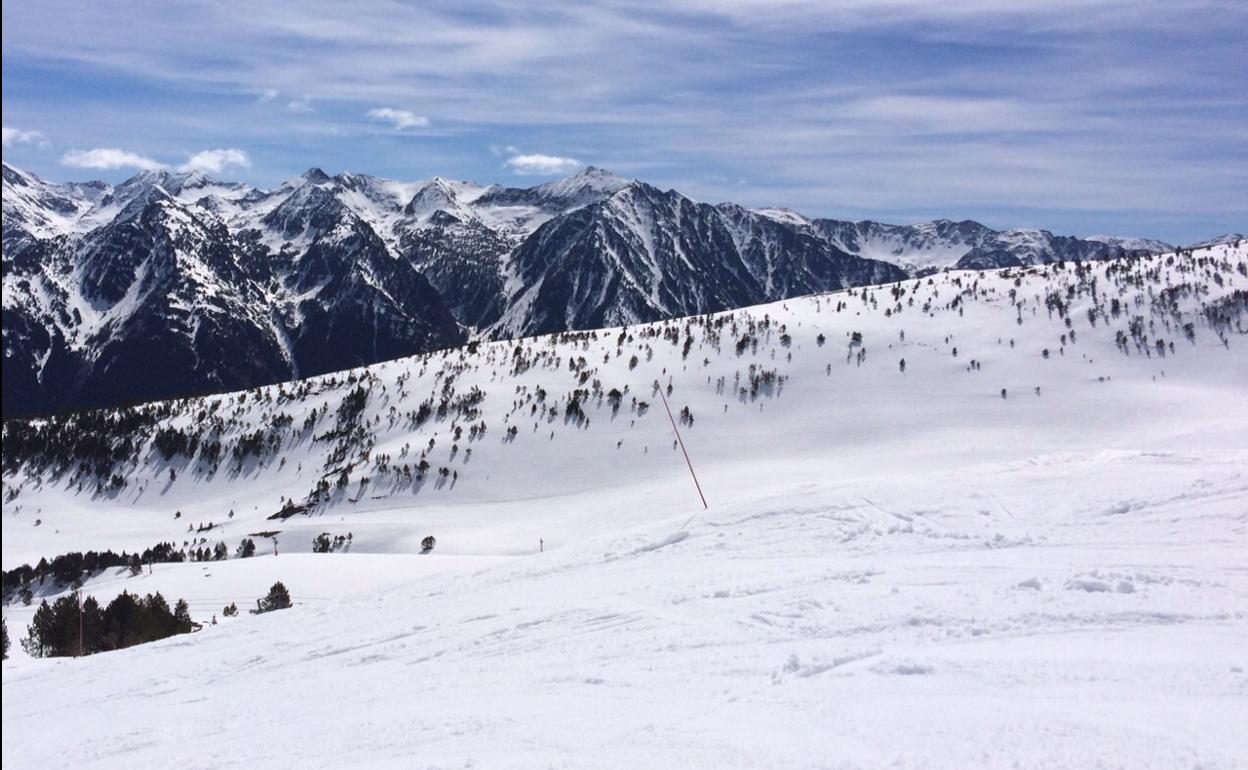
(991, 558)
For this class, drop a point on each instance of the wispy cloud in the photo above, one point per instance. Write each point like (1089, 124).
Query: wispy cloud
(217, 161)
(109, 158)
(931, 115)
(400, 119)
(14, 136)
(536, 164)
(302, 104)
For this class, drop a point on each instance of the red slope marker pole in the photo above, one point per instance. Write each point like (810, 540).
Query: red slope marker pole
(681, 441)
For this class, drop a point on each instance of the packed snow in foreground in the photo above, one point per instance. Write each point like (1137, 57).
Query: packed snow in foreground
(994, 557)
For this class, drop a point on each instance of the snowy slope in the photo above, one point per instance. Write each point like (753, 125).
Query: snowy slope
(894, 622)
(897, 568)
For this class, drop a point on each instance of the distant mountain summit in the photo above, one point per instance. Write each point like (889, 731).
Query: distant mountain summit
(1221, 240)
(171, 284)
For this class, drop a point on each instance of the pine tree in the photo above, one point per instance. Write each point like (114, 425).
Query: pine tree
(156, 620)
(120, 621)
(39, 632)
(92, 626)
(278, 598)
(4, 631)
(182, 617)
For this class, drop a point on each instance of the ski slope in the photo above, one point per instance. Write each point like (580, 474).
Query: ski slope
(895, 568)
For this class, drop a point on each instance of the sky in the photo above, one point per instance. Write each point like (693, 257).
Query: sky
(1126, 117)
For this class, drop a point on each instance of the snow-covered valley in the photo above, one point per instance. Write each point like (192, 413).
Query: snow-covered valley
(1022, 548)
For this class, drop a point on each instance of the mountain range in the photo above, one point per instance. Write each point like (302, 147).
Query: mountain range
(172, 284)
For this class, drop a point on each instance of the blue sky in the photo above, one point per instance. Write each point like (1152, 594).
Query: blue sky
(1081, 116)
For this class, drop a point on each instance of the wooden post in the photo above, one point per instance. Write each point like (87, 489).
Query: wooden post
(682, 448)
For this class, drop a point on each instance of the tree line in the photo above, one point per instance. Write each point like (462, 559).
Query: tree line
(71, 568)
(75, 626)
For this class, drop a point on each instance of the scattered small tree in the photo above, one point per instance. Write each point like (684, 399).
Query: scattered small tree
(278, 598)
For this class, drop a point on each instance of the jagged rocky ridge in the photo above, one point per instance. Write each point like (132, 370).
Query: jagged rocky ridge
(172, 284)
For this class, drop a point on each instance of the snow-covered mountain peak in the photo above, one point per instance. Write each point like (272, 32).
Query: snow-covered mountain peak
(311, 205)
(1149, 245)
(15, 176)
(187, 186)
(437, 195)
(139, 198)
(45, 209)
(599, 176)
(787, 216)
(194, 180)
(315, 175)
(586, 186)
(171, 181)
(1221, 240)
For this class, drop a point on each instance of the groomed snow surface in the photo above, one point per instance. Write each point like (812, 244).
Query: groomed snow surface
(896, 569)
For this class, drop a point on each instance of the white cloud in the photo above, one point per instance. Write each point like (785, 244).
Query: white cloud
(216, 161)
(213, 161)
(14, 136)
(267, 95)
(302, 105)
(538, 164)
(108, 158)
(401, 119)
